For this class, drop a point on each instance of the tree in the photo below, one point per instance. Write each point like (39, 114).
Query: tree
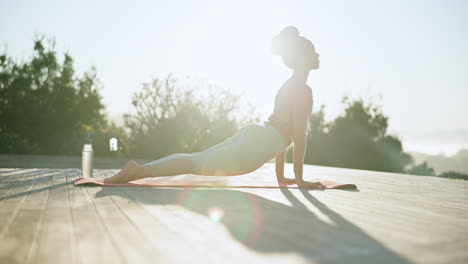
(356, 139)
(422, 169)
(44, 106)
(454, 175)
(168, 118)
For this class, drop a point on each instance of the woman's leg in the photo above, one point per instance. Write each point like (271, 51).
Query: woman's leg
(175, 164)
(242, 153)
(181, 163)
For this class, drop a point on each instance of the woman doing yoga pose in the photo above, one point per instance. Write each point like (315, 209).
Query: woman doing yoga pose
(254, 144)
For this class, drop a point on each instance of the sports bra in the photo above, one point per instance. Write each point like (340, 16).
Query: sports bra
(282, 117)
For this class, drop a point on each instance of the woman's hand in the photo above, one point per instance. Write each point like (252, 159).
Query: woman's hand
(307, 184)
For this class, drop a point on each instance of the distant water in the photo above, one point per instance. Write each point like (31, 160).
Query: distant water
(434, 148)
(441, 157)
(435, 143)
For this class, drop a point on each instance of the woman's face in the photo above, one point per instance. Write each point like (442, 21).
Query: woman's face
(315, 62)
(299, 61)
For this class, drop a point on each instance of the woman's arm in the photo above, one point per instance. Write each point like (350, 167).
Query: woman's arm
(302, 110)
(279, 168)
(300, 143)
(279, 165)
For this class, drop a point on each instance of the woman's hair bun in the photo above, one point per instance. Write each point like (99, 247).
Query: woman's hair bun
(284, 40)
(296, 51)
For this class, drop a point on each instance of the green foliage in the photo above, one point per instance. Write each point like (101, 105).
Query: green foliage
(421, 169)
(168, 118)
(356, 139)
(454, 175)
(44, 106)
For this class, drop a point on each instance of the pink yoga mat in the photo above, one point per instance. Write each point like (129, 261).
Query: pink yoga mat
(204, 183)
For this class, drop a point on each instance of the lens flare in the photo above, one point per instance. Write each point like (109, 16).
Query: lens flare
(216, 214)
(240, 212)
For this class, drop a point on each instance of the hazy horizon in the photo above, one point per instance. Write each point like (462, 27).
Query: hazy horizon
(409, 57)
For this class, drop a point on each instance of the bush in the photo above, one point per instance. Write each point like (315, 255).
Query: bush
(453, 175)
(168, 118)
(421, 169)
(44, 106)
(356, 139)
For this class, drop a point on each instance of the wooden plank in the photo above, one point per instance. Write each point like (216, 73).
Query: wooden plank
(410, 237)
(406, 189)
(7, 174)
(131, 243)
(406, 224)
(339, 240)
(57, 240)
(175, 248)
(405, 215)
(233, 216)
(10, 178)
(8, 182)
(15, 195)
(393, 218)
(200, 242)
(281, 229)
(19, 238)
(376, 219)
(95, 245)
(199, 245)
(396, 205)
(396, 180)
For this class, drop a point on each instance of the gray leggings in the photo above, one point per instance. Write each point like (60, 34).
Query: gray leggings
(247, 150)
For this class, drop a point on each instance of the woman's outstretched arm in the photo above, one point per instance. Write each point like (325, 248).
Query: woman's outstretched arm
(300, 144)
(279, 168)
(301, 113)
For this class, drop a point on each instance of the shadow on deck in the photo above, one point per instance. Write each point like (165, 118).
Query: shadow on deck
(272, 227)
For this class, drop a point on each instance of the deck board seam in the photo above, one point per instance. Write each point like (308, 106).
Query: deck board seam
(13, 185)
(18, 207)
(106, 228)
(74, 229)
(169, 211)
(126, 216)
(40, 228)
(153, 216)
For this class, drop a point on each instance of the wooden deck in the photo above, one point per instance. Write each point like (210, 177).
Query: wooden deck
(393, 218)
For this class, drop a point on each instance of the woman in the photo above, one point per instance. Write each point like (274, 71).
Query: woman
(254, 144)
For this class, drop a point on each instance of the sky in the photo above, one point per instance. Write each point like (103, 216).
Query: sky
(410, 57)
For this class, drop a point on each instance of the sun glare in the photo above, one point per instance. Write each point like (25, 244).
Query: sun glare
(216, 214)
(235, 54)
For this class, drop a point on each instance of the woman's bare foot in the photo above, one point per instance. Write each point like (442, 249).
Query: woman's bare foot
(129, 172)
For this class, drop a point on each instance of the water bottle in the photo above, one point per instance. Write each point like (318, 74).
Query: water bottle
(87, 159)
